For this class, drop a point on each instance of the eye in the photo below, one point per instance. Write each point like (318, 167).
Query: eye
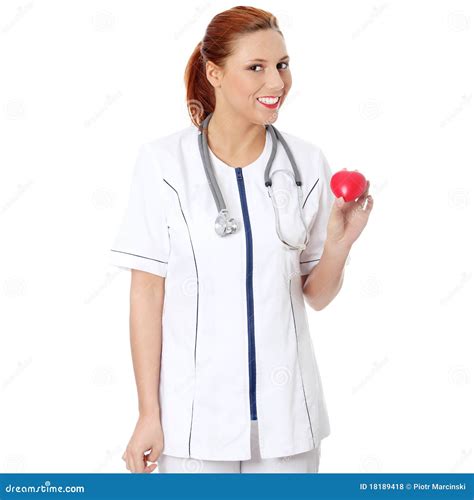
(259, 65)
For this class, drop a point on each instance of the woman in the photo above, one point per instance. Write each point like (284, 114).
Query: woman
(226, 374)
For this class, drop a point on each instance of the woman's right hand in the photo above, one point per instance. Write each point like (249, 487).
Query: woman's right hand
(148, 435)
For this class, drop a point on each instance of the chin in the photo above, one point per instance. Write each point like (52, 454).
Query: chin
(270, 117)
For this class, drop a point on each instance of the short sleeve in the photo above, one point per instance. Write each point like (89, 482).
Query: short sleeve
(310, 256)
(142, 241)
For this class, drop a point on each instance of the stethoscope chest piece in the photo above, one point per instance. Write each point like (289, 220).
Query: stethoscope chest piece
(224, 224)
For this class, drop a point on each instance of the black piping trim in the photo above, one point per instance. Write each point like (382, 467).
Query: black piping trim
(306, 261)
(310, 191)
(197, 311)
(299, 366)
(135, 255)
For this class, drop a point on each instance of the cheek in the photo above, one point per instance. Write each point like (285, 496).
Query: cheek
(244, 87)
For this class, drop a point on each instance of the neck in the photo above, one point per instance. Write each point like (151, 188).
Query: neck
(234, 136)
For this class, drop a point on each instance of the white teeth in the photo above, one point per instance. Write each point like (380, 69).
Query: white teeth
(268, 100)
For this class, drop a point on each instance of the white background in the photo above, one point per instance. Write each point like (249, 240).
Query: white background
(384, 87)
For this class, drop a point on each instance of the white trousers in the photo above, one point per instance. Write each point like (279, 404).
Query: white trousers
(302, 462)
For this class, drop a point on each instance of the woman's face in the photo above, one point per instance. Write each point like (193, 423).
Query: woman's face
(259, 67)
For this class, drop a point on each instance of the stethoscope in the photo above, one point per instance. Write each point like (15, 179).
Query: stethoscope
(224, 224)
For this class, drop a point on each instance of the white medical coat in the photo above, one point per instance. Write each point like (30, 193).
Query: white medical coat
(236, 344)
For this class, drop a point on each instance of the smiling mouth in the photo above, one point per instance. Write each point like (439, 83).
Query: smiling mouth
(269, 101)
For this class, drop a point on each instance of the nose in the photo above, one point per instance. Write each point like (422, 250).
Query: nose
(274, 81)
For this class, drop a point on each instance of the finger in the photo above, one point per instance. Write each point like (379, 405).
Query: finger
(362, 196)
(366, 190)
(367, 204)
(370, 203)
(154, 453)
(133, 463)
(150, 468)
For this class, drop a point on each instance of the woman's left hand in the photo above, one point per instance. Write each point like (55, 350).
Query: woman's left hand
(348, 219)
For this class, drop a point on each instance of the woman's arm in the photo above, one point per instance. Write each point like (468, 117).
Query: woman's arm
(146, 307)
(325, 280)
(346, 222)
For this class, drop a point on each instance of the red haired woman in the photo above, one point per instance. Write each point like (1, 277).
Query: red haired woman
(230, 226)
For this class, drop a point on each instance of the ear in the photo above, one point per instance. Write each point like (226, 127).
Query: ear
(214, 74)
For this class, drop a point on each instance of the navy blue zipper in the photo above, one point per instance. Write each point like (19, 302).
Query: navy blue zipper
(249, 286)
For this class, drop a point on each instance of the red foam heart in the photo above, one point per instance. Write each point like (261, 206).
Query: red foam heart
(348, 184)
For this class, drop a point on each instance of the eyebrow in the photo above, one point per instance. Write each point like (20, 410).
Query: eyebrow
(263, 60)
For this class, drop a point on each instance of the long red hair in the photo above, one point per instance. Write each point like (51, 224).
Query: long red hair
(216, 46)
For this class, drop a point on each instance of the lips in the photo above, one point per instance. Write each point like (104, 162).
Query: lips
(270, 106)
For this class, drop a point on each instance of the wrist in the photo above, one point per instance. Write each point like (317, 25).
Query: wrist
(149, 411)
(337, 248)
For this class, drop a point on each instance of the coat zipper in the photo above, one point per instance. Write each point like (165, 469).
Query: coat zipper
(249, 288)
